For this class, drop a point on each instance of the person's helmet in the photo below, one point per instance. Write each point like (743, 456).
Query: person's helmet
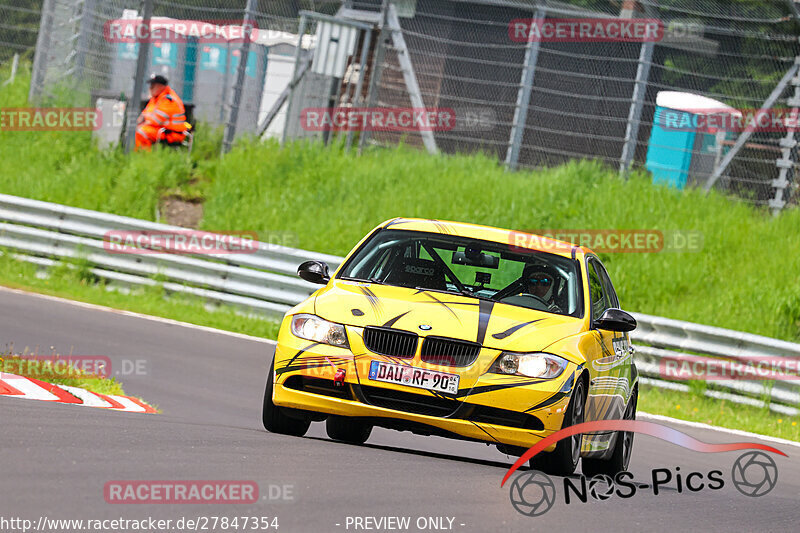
(536, 273)
(157, 78)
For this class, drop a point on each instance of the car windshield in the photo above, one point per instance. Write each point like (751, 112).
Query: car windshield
(470, 267)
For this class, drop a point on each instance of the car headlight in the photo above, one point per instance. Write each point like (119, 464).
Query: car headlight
(315, 329)
(532, 365)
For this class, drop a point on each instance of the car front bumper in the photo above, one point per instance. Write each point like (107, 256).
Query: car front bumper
(492, 408)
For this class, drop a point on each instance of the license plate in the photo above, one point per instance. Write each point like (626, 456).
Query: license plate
(413, 377)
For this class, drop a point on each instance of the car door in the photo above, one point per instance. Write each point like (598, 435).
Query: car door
(621, 343)
(604, 387)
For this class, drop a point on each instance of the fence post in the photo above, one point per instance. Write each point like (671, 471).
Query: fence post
(230, 126)
(375, 71)
(366, 44)
(40, 59)
(132, 109)
(297, 54)
(84, 38)
(523, 98)
(637, 104)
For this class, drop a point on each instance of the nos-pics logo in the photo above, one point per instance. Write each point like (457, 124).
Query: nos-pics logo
(533, 493)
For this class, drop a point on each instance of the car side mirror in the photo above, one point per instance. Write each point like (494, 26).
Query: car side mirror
(314, 272)
(615, 320)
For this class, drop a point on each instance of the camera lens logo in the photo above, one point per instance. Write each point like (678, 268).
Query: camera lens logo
(533, 493)
(754, 474)
(601, 487)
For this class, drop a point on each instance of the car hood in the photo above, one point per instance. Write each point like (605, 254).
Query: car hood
(494, 325)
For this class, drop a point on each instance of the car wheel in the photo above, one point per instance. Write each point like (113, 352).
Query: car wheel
(564, 459)
(348, 429)
(621, 457)
(275, 418)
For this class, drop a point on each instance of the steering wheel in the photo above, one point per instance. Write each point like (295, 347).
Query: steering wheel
(538, 303)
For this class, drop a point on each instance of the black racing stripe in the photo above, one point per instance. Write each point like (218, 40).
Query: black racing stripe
(300, 367)
(565, 390)
(298, 354)
(484, 313)
(391, 322)
(443, 304)
(479, 427)
(373, 300)
(496, 386)
(555, 398)
(510, 331)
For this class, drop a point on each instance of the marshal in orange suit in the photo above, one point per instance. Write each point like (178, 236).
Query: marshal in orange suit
(164, 110)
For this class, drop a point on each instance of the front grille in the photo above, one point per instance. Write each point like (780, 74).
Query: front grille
(421, 404)
(392, 342)
(449, 352)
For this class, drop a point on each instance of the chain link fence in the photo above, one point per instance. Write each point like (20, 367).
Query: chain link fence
(89, 50)
(527, 99)
(540, 103)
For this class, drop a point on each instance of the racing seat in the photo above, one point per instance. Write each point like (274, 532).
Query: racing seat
(413, 272)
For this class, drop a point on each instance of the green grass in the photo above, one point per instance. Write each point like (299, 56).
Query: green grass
(699, 408)
(79, 284)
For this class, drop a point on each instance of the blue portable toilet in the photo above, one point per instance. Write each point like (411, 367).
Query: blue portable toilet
(680, 152)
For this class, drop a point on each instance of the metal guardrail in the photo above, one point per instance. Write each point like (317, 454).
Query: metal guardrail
(266, 282)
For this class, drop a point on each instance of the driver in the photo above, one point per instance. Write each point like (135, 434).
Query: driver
(539, 281)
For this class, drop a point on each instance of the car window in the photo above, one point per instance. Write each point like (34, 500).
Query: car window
(474, 268)
(613, 301)
(597, 292)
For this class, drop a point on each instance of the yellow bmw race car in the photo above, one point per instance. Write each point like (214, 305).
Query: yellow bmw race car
(463, 331)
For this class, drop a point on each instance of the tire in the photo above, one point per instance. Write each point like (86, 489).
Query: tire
(275, 418)
(346, 429)
(621, 457)
(564, 459)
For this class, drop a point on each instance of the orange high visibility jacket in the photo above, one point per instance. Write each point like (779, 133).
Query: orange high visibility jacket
(166, 111)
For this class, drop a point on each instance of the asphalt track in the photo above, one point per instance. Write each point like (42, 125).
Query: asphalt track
(55, 459)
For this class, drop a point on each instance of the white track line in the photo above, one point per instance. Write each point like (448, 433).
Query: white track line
(699, 425)
(161, 320)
